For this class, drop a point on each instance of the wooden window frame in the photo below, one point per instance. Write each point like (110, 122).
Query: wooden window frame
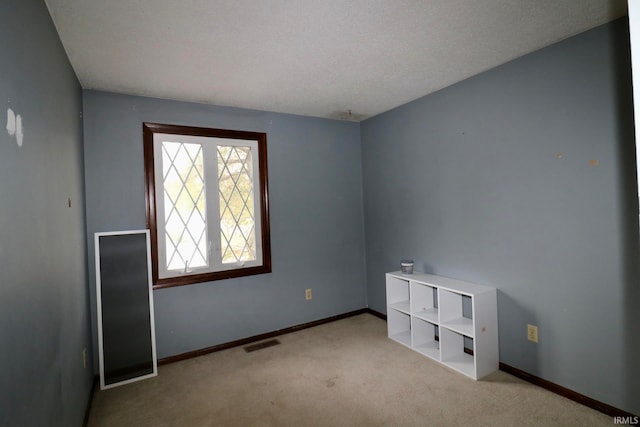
(148, 131)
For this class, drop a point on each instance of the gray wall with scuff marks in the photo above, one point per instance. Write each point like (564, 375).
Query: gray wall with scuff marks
(44, 315)
(490, 180)
(315, 199)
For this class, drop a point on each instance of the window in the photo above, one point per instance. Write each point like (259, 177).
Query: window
(207, 203)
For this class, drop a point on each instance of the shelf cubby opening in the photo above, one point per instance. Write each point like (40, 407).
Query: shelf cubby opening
(452, 347)
(398, 294)
(456, 312)
(423, 304)
(399, 327)
(423, 337)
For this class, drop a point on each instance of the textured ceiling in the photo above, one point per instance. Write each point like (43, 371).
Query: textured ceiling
(312, 57)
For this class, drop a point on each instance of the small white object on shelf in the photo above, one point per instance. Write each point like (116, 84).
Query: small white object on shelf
(425, 313)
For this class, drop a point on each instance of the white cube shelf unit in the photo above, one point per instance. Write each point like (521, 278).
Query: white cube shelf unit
(448, 320)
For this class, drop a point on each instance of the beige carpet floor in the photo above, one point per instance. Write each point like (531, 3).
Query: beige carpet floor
(344, 373)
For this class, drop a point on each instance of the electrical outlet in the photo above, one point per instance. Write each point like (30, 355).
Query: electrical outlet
(532, 333)
(308, 294)
(84, 358)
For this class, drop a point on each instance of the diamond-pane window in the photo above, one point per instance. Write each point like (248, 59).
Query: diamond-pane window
(237, 217)
(185, 226)
(207, 203)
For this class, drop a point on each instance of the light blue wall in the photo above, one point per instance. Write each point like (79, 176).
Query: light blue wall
(468, 183)
(44, 315)
(317, 233)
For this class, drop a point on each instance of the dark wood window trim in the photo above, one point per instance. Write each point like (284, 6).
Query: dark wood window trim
(148, 130)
